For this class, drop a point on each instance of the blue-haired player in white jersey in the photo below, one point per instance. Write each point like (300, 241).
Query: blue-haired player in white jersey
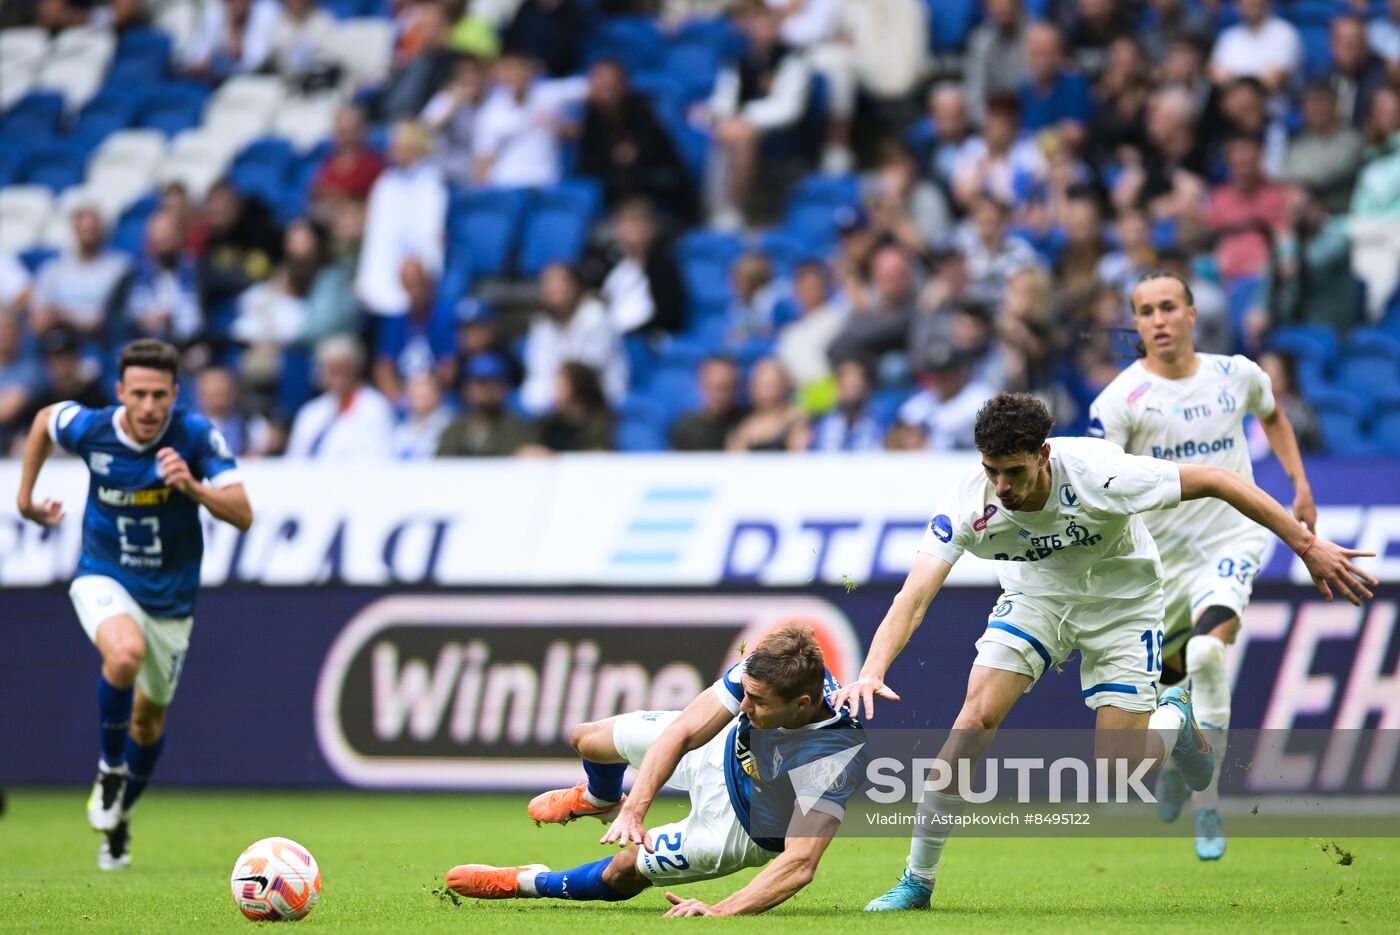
(705, 750)
(151, 467)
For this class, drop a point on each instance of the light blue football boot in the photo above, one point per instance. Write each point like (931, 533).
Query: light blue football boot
(1171, 792)
(908, 893)
(1210, 834)
(1192, 755)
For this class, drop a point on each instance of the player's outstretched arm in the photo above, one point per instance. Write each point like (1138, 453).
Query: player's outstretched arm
(1328, 563)
(229, 504)
(697, 725)
(906, 612)
(776, 883)
(37, 448)
(1284, 442)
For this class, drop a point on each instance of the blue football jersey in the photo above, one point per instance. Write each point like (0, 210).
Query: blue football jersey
(137, 529)
(744, 774)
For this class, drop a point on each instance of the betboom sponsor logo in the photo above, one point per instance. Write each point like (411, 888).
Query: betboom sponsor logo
(482, 691)
(1192, 449)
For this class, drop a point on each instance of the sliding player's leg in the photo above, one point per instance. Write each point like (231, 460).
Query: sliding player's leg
(607, 747)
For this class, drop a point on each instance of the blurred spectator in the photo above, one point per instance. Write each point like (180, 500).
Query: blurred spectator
(21, 380)
(81, 288)
(1077, 261)
(1260, 45)
(1382, 131)
(303, 46)
(1309, 277)
(1357, 72)
(425, 418)
(996, 55)
(1246, 212)
(637, 276)
(1098, 24)
(164, 299)
(1244, 109)
(947, 404)
(948, 114)
(1282, 372)
(217, 396)
(569, 327)
(992, 253)
(1326, 156)
(451, 117)
(889, 43)
(549, 31)
(580, 419)
(516, 137)
(945, 292)
(351, 167)
(1000, 162)
(175, 200)
(404, 221)
(479, 334)
(420, 340)
(906, 437)
(880, 314)
(756, 293)
(904, 208)
(1169, 23)
(55, 15)
(1375, 235)
(1052, 95)
(720, 412)
(814, 28)
(1167, 174)
(1183, 70)
(414, 82)
(851, 426)
(775, 423)
(764, 91)
(1123, 90)
(1383, 36)
(66, 375)
(1029, 333)
(15, 284)
(803, 345)
(474, 34)
(625, 147)
(239, 245)
(349, 421)
(234, 37)
(1133, 255)
(486, 427)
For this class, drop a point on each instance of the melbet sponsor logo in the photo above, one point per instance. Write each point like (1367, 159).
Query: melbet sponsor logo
(155, 496)
(484, 690)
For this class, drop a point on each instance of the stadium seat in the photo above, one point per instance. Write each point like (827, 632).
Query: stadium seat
(16, 80)
(1385, 423)
(639, 436)
(633, 40)
(673, 389)
(813, 205)
(129, 234)
(24, 46)
(1340, 415)
(179, 19)
(35, 116)
(485, 225)
(556, 226)
(1373, 341)
(142, 149)
(142, 56)
(305, 122)
(709, 328)
(263, 169)
(640, 358)
(56, 165)
(949, 24)
(785, 250)
(76, 78)
(36, 257)
(1316, 343)
(24, 209)
(705, 258)
(693, 66)
(198, 159)
(93, 44)
(11, 161)
(1363, 375)
(365, 46)
(172, 108)
(102, 116)
(682, 354)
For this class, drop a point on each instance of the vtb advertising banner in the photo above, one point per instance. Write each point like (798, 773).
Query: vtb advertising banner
(396, 688)
(610, 521)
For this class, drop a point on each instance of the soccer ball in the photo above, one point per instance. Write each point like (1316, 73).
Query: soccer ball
(275, 879)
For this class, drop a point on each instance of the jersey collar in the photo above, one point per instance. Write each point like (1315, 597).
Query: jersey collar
(130, 442)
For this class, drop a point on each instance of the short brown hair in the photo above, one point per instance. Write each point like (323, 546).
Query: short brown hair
(1012, 424)
(151, 354)
(1152, 274)
(789, 661)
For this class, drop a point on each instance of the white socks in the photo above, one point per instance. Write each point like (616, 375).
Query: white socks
(1210, 699)
(926, 848)
(1166, 723)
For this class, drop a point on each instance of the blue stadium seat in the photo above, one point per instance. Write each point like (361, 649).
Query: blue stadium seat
(710, 330)
(556, 226)
(105, 114)
(813, 206)
(1385, 424)
(638, 407)
(11, 162)
(640, 358)
(1316, 343)
(56, 165)
(639, 436)
(682, 353)
(950, 23)
(673, 389)
(485, 225)
(1363, 375)
(129, 234)
(36, 116)
(633, 40)
(663, 90)
(171, 108)
(1373, 341)
(142, 56)
(785, 250)
(37, 257)
(693, 66)
(1340, 415)
(705, 258)
(263, 169)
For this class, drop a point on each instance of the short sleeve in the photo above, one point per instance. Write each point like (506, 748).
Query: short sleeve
(1131, 484)
(1108, 418)
(68, 421)
(730, 687)
(1261, 389)
(213, 460)
(945, 537)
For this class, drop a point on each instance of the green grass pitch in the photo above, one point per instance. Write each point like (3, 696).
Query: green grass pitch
(381, 855)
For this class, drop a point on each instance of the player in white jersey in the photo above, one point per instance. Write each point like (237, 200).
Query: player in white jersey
(1178, 405)
(1079, 571)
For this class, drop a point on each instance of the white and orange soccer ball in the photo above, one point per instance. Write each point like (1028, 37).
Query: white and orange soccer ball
(276, 879)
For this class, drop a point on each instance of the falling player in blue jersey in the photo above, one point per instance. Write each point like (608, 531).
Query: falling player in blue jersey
(151, 467)
(741, 792)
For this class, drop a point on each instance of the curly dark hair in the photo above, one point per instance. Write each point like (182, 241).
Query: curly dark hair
(1012, 424)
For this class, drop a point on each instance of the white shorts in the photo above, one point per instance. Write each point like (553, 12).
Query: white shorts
(1119, 642)
(710, 842)
(1221, 575)
(97, 598)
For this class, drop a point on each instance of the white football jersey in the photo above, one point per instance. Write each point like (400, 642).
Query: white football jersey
(1087, 541)
(1196, 420)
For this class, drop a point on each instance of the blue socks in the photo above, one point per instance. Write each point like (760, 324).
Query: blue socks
(580, 883)
(113, 720)
(140, 763)
(605, 780)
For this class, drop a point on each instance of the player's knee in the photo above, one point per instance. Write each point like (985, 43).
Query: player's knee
(1220, 622)
(147, 726)
(124, 659)
(1204, 653)
(976, 717)
(583, 736)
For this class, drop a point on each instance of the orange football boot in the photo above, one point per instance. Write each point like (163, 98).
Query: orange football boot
(565, 805)
(482, 881)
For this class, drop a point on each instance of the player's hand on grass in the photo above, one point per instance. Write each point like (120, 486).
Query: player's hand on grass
(46, 512)
(175, 472)
(627, 828)
(863, 692)
(1331, 569)
(1305, 510)
(688, 907)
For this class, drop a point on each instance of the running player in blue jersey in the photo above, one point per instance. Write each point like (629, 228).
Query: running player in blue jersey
(736, 801)
(151, 467)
